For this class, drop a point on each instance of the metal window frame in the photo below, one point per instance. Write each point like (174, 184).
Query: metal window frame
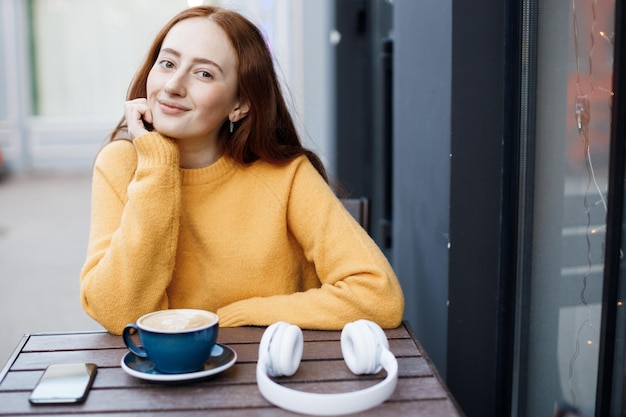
(610, 398)
(486, 50)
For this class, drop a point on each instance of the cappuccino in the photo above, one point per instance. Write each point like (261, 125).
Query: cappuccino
(176, 341)
(177, 320)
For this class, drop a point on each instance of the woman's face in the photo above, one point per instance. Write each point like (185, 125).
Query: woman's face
(192, 87)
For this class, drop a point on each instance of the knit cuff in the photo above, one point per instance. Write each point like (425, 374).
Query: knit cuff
(234, 315)
(154, 149)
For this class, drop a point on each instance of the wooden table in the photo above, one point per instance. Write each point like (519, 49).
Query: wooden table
(420, 390)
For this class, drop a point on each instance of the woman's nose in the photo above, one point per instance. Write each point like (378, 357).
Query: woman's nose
(176, 84)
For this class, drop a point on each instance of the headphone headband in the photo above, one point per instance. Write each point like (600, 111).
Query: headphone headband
(364, 351)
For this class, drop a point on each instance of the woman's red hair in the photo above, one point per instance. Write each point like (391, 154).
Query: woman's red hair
(267, 132)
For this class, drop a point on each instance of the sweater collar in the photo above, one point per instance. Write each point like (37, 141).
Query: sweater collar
(216, 170)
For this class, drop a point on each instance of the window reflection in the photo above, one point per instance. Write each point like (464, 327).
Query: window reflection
(575, 62)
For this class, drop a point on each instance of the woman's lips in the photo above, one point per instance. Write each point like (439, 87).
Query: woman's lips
(172, 108)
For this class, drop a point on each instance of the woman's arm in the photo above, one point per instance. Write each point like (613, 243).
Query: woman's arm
(357, 280)
(134, 230)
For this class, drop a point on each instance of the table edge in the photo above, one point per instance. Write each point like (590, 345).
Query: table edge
(16, 352)
(432, 367)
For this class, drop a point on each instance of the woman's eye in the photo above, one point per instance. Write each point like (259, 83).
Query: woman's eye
(205, 74)
(166, 64)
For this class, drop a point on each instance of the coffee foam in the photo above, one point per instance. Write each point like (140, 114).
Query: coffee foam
(178, 320)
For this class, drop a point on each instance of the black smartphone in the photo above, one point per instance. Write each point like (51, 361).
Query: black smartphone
(64, 383)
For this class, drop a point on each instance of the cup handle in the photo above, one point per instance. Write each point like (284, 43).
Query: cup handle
(137, 350)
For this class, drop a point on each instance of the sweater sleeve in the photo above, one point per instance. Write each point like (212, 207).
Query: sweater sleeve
(134, 230)
(357, 281)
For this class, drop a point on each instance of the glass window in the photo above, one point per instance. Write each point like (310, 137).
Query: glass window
(563, 287)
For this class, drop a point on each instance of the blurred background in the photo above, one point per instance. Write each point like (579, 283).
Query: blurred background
(69, 64)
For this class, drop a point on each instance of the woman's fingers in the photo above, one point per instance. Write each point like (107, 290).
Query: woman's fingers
(137, 114)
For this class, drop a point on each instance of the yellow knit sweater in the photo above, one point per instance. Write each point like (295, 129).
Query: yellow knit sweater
(256, 244)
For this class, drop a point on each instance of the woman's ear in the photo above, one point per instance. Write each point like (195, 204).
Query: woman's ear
(240, 111)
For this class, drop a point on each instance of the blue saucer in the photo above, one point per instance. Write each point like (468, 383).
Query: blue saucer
(222, 357)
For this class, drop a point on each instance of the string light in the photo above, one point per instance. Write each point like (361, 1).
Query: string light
(583, 115)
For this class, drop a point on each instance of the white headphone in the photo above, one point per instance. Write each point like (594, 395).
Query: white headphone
(365, 350)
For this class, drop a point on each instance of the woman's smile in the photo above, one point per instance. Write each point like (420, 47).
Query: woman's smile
(171, 108)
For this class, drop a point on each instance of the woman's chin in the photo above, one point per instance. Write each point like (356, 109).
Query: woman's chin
(163, 130)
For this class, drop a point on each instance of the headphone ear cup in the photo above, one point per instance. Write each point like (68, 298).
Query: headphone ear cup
(285, 346)
(362, 343)
(264, 346)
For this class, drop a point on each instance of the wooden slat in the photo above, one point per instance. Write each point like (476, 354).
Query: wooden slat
(421, 408)
(107, 357)
(206, 397)
(42, 342)
(241, 373)
(41, 360)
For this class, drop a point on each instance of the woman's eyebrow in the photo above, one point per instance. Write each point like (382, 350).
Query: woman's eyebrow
(195, 59)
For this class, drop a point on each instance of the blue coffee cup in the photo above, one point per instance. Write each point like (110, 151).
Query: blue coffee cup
(176, 341)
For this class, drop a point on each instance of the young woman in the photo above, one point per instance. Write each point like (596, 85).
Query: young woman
(205, 197)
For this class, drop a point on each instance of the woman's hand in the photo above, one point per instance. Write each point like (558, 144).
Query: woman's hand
(137, 115)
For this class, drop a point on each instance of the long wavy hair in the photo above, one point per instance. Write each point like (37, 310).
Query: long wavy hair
(267, 133)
